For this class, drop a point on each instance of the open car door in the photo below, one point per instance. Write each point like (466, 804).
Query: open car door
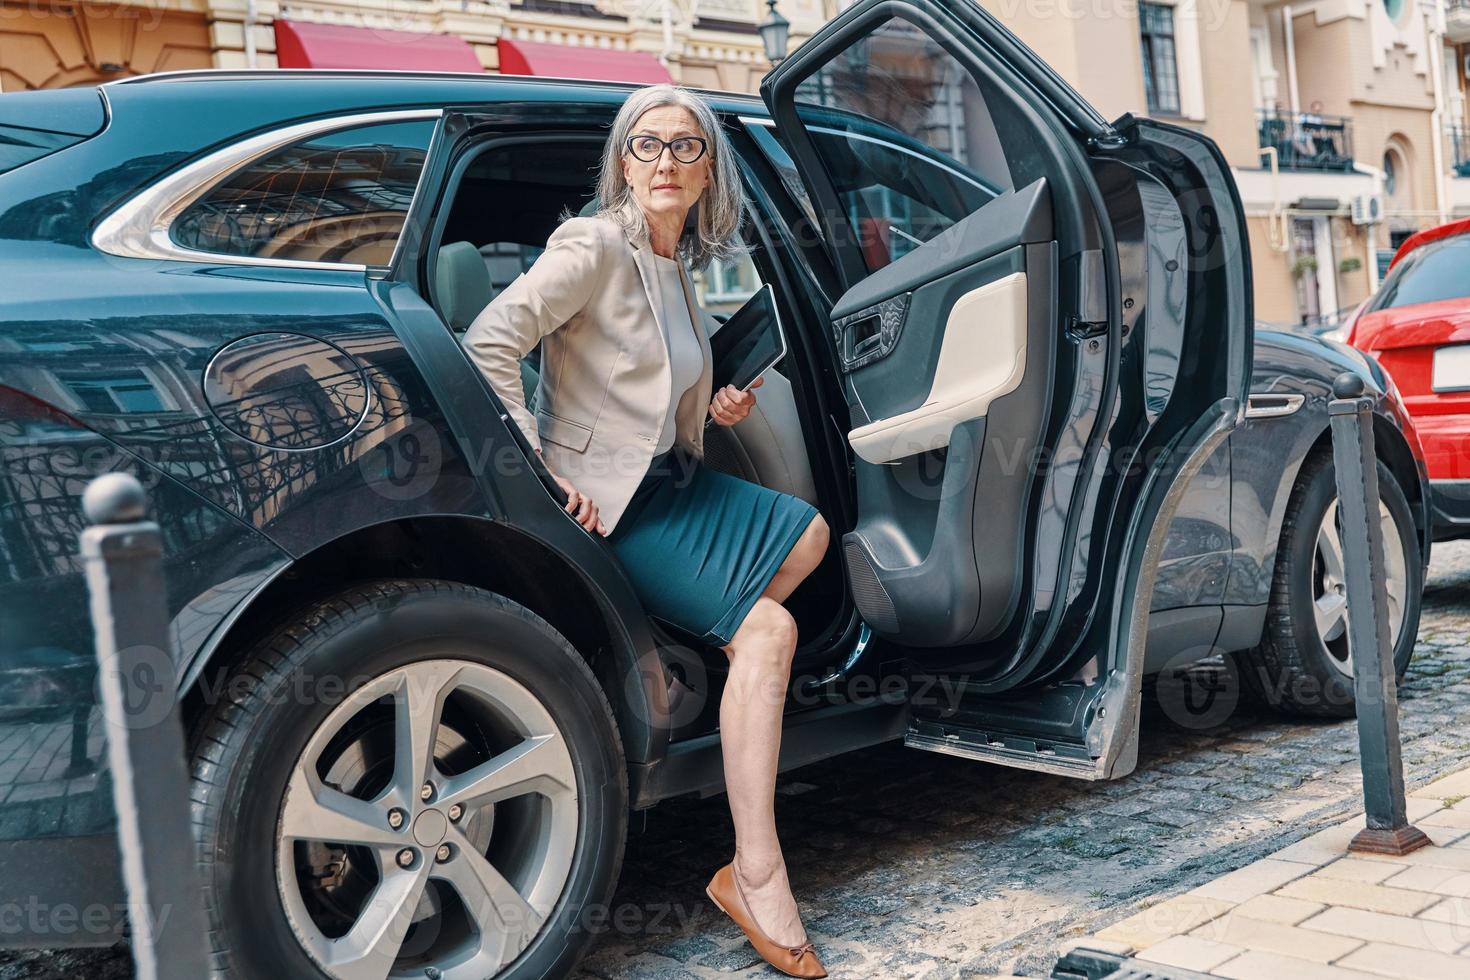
(1045, 330)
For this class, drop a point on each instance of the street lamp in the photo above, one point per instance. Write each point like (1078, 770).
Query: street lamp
(774, 31)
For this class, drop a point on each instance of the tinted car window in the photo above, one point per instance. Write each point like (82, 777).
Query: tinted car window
(769, 144)
(512, 196)
(895, 192)
(1430, 273)
(905, 134)
(336, 197)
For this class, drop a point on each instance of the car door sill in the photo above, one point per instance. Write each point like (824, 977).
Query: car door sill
(696, 765)
(1003, 749)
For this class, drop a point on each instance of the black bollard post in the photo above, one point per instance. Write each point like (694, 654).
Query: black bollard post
(145, 745)
(1369, 643)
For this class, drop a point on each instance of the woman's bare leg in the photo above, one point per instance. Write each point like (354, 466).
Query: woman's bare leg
(750, 738)
(804, 557)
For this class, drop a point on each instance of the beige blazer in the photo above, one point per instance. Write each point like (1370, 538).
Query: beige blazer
(590, 300)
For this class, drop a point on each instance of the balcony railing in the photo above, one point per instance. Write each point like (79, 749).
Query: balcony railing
(1306, 140)
(1459, 137)
(1457, 21)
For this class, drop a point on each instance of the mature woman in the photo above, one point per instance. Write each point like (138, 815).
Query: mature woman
(620, 417)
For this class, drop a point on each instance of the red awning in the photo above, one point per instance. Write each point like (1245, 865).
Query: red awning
(300, 44)
(560, 61)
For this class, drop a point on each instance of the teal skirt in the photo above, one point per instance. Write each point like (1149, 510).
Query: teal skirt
(700, 546)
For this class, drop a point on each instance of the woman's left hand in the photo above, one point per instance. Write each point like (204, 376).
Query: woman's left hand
(731, 405)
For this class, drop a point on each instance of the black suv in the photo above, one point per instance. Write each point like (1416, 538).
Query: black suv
(421, 699)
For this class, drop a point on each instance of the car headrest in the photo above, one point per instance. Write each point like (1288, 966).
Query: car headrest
(461, 284)
(590, 208)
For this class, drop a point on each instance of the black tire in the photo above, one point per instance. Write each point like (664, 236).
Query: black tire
(1291, 669)
(245, 746)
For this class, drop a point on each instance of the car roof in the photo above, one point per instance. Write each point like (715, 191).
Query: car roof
(1420, 238)
(392, 85)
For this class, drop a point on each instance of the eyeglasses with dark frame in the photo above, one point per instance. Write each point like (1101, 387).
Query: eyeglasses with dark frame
(686, 149)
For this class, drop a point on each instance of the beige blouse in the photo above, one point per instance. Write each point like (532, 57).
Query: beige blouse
(686, 359)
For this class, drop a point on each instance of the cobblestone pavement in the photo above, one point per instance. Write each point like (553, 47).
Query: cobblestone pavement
(914, 864)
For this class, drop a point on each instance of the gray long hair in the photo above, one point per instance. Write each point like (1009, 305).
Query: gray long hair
(716, 234)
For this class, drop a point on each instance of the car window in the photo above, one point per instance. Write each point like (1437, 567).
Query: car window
(1428, 274)
(335, 197)
(897, 198)
(512, 196)
(767, 141)
(905, 134)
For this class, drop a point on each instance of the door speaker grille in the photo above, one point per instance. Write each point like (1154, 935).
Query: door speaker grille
(873, 601)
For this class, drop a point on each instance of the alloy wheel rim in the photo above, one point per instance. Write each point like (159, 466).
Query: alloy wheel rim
(1329, 586)
(428, 827)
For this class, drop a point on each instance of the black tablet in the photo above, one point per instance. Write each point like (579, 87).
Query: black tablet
(748, 343)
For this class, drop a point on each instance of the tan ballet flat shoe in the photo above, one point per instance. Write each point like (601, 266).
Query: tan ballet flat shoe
(796, 961)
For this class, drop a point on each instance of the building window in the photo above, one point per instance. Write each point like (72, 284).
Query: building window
(725, 285)
(114, 394)
(1160, 65)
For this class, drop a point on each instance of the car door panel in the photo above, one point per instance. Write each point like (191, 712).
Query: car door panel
(958, 318)
(900, 382)
(922, 287)
(992, 316)
(923, 521)
(1014, 485)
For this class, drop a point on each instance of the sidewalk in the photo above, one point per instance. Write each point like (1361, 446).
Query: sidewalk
(1311, 912)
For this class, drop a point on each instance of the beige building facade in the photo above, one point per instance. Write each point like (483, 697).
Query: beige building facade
(1344, 121)
(46, 45)
(706, 43)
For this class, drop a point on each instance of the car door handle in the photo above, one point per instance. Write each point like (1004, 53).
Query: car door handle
(1273, 406)
(861, 336)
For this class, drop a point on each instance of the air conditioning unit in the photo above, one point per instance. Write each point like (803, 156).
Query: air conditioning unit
(1367, 209)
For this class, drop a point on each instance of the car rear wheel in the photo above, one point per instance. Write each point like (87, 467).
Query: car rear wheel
(411, 778)
(1302, 664)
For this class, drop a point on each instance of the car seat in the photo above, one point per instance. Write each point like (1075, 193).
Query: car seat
(462, 289)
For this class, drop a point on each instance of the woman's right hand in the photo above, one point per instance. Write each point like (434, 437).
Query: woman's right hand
(579, 505)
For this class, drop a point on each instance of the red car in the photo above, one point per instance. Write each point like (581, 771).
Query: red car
(1418, 327)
